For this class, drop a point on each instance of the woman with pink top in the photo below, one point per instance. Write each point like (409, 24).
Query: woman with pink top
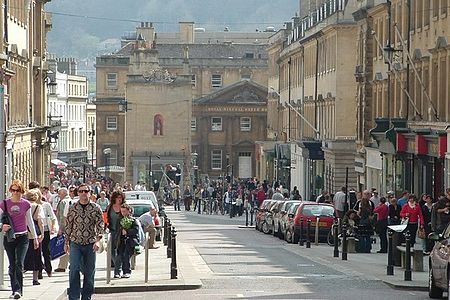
(16, 248)
(413, 212)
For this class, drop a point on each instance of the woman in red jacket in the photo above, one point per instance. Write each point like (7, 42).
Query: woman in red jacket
(413, 212)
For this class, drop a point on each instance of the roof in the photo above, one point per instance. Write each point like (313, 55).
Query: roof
(241, 92)
(205, 51)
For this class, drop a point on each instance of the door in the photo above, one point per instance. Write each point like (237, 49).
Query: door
(245, 165)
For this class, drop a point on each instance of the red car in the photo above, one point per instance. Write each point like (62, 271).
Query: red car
(312, 211)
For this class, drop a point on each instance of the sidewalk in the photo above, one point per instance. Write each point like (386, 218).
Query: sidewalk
(189, 267)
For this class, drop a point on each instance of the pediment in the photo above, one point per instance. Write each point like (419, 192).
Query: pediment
(239, 93)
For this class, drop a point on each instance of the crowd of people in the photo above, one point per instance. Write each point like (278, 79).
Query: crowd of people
(81, 213)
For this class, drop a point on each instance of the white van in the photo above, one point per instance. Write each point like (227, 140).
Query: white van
(141, 197)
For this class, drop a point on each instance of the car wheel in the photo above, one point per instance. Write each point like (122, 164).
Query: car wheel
(433, 291)
(265, 228)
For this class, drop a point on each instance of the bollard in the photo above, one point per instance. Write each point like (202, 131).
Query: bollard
(408, 273)
(251, 216)
(316, 233)
(169, 239)
(246, 217)
(308, 230)
(199, 206)
(108, 258)
(336, 238)
(173, 264)
(390, 266)
(344, 241)
(146, 258)
(165, 233)
(300, 238)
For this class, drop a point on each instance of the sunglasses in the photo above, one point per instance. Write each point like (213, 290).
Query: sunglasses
(83, 191)
(14, 191)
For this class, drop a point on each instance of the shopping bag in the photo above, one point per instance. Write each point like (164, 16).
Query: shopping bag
(57, 247)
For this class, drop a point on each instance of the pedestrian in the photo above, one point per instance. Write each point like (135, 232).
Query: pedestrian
(413, 212)
(394, 211)
(187, 198)
(84, 229)
(176, 198)
(103, 201)
(148, 222)
(427, 208)
(61, 214)
(113, 217)
(16, 216)
(339, 202)
(128, 241)
(50, 224)
(381, 224)
(33, 258)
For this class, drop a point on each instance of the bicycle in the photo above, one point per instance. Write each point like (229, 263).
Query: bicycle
(330, 237)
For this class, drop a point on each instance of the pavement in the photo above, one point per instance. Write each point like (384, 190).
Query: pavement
(192, 269)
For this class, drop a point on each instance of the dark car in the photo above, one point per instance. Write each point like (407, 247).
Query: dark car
(313, 211)
(439, 261)
(278, 224)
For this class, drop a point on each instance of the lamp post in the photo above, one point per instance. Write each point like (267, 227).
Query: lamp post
(92, 135)
(107, 153)
(194, 156)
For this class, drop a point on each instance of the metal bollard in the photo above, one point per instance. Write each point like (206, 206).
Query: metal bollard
(146, 258)
(390, 266)
(169, 239)
(336, 238)
(408, 272)
(173, 264)
(344, 241)
(246, 216)
(251, 216)
(108, 258)
(300, 238)
(308, 230)
(316, 233)
(165, 233)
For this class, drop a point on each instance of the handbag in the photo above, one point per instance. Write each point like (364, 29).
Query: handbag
(36, 223)
(57, 247)
(6, 219)
(421, 233)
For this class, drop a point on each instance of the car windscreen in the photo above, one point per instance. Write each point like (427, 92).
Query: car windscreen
(139, 210)
(318, 211)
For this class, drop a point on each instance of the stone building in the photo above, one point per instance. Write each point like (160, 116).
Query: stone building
(24, 145)
(226, 125)
(407, 94)
(316, 112)
(213, 63)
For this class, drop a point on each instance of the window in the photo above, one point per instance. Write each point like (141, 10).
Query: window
(110, 159)
(216, 81)
(158, 124)
(216, 124)
(193, 81)
(194, 124)
(246, 124)
(216, 159)
(249, 55)
(111, 123)
(245, 76)
(111, 80)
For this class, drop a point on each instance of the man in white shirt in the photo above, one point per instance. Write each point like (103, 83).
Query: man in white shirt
(139, 186)
(148, 225)
(339, 202)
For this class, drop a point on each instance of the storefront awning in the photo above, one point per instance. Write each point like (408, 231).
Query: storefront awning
(59, 163)
(312, 150)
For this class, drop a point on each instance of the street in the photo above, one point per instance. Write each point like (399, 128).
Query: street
(244, 263)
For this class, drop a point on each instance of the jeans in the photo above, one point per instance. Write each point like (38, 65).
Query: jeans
(176, 204)
(16, 251)
(82, 258)
(124, 258)
(115, 257)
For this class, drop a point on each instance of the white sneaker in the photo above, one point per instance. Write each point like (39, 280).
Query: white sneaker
(17, 295)
(11, 296)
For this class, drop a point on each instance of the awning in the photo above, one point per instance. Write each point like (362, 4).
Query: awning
(111, 169)
(312, 150)
(59, 163)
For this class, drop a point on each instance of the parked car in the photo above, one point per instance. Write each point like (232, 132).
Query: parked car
(267, 224)
(142, 196)
(287, 223)
(278, 228)
(140, 207)
(439, 261)
(261, 213)
(312, 211)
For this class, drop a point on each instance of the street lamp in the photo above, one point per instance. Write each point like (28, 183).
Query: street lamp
(107, 153)
(194, 156)
(92, 135)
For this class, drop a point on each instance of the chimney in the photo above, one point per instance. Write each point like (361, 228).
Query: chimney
(147, 31)
(187, 32)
